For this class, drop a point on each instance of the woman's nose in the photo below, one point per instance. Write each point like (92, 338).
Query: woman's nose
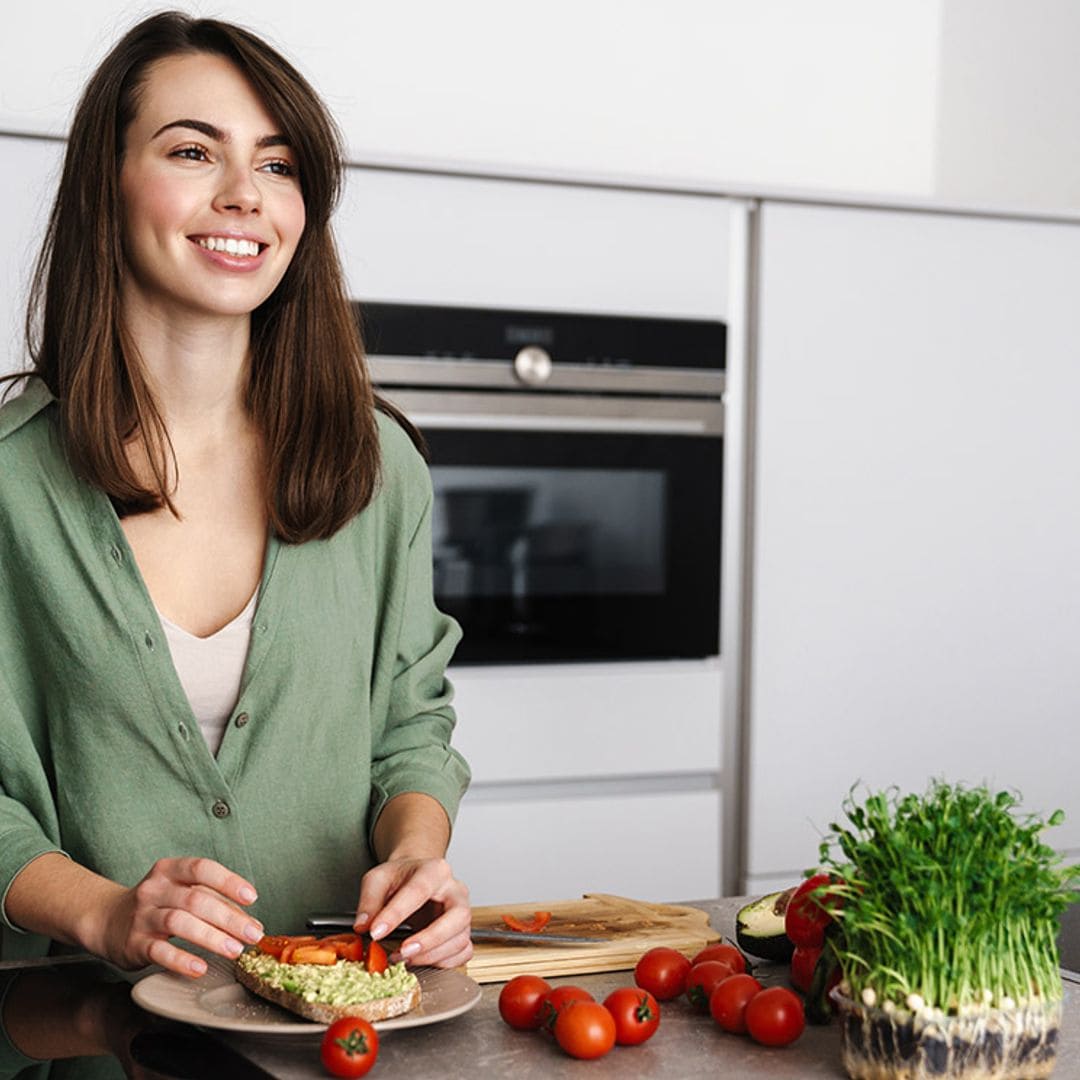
(238, 191)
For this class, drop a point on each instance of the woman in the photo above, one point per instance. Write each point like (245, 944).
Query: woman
(222, 693)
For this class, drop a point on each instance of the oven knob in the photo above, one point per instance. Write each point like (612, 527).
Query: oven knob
(533, 365)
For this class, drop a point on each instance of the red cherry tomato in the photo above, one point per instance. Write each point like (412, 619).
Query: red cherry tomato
(803, 961)
(805, 919)
(775, 1017)
(703, 980)
(729, 1000)
(662, 972)
(636, 1014)
(349, 1047)
(585, 1029)
(521, 1002)
(722, 951)
(554, 1001)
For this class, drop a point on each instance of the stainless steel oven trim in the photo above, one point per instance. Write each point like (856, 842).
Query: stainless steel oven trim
(498, 374)
(562, 412)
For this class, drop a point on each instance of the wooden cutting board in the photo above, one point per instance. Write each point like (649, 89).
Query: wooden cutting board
(633, 926)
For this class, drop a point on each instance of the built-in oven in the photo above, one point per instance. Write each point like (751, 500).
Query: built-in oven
(577, 465)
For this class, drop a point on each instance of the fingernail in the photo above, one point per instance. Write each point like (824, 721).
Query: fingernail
(362, 919)
(196, 967)
(410, 950)
(248, 894)
(233, 948)
(379, 930)
(252, 932)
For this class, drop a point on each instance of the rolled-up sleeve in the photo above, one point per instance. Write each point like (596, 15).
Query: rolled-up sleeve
(28, 823)
(413, 751)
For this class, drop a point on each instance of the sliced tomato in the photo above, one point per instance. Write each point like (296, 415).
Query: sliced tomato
(314, 954)
(539, 920)
(376, 957)
(351, 950)
(272, 944)
(295, 943)
(347, 946)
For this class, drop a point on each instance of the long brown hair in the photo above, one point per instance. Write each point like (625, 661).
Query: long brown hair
(308, 393)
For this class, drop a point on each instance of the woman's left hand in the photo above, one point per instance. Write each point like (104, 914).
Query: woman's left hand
(436, 904)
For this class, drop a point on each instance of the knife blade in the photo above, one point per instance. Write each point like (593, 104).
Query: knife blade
(342, 921)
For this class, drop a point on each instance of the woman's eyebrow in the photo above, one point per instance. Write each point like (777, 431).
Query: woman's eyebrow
(215, 133)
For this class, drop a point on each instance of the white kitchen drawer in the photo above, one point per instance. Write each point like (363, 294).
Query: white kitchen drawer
(574, 721)
(650, 846)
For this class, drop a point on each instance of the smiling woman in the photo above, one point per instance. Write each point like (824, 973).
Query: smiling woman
(213, 212)
(222, 692)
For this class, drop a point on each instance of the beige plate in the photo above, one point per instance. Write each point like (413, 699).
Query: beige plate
(217, 1000)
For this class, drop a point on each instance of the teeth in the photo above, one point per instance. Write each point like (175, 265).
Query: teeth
(230, 246)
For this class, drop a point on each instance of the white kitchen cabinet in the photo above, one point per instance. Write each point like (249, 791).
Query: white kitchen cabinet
(916, 587)
(648, 845)
(590, 777)
(31, 169)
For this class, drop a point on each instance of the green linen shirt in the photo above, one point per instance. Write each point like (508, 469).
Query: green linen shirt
(343, 702)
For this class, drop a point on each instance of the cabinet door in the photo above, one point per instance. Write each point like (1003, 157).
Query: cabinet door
(916, 606)
(27, 186)
(647, 845)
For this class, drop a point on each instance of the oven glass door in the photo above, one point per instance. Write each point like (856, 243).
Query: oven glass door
(564, 545)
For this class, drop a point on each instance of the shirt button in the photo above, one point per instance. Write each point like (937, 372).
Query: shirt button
(182, 729)
(149, 641)
(242, 719)
(221, 809)
(117, 554)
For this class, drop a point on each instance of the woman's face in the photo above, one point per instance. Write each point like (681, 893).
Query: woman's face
(212, 204)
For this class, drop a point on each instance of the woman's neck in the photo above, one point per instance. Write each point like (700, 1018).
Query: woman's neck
(197, 369)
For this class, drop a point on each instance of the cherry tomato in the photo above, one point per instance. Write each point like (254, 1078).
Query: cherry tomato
(521, 1002)
(775, 1017)
(803, 961)
(662, 972)
(554, 1001)
(805, 919)
(729, 1000)
(635, 1012)
(349, 1047)
(703, 980)
(722, 951)
(585, 1029)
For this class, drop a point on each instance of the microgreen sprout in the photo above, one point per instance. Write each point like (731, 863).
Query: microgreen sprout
(950, 900)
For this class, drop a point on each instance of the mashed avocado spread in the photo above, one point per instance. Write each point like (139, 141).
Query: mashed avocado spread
(345, 983)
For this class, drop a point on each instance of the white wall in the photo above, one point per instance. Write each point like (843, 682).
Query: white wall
(1010, 103)
(837, 94)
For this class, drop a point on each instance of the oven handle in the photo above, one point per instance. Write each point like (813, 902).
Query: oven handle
(559, 412)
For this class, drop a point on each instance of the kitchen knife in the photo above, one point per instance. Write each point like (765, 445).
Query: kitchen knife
(338, 921)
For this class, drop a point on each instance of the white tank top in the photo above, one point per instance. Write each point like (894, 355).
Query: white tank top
(210, 669)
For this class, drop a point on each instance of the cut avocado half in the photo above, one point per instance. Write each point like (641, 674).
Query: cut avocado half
(759, 927)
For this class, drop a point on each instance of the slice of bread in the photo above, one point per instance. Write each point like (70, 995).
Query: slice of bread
(322, 1013)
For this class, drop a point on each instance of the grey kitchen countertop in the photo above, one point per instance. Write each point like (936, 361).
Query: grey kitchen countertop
(687, 1043)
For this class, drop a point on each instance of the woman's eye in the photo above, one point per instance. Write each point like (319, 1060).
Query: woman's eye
(190, 153)
(280, 168)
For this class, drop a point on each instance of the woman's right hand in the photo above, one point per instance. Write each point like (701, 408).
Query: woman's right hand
(192, 898)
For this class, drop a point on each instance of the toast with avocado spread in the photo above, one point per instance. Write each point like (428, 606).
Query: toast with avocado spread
(325, 993)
